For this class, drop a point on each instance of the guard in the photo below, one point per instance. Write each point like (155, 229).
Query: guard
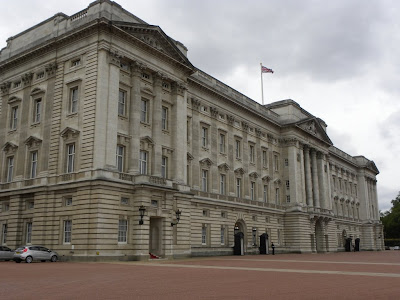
(273, 248)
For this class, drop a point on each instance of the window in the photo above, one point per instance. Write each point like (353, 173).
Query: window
(30, 205)
(14, 118)
(73, 100)
(124, 201)
(17, 84)
(6, 206)
(120, 158)
(37, 109)
(29, 233)
(144, 111)
(222, 235)
(204, 180)
(276, 163)
(252, 190)
(206, 213)
(154, 203)
(279, 237)
(237, 148)
(222, 143)
(67, 231)
(146, 76)
(223, 214)
(122, 231)
(287, 184)
(4, 234)
(238, 187)
(40, 75)
(10, 168)
(204, 137)
(164, 167)
(122, 103)
(164, 118)
(264, 159)
(286, 162)
(287, 198)
(265, 193)
(34, 158)
(204, 234)
(68, 201)
(277, 196)
(222, 184)
(254, 236)
(75, 62)
(252, 154)
(143, 162)
(70, 157)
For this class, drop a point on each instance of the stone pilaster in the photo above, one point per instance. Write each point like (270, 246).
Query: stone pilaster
(156, 126)
(315, 178)
(307, 169)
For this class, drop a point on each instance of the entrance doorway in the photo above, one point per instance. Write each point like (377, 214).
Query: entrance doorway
(155, 239)
(319, 236)
(240, 238)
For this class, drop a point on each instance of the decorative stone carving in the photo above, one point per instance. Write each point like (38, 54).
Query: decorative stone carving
(33, 142)
(10, 148)
(206, 162)
(254, 175)
(230, 119)
(286, 142)
(51, 69)
(277, 181)
(146, 143)
(266, 179)
(138, 67)
(5, 87)
(114, 58)
(258, 132)
(190, 157)
(180, 88)
(196, 104)
(27, 78)
(69, 132)
(270, 137)
(245, 126)
(239, 171)
(223, 167)
(214, 112)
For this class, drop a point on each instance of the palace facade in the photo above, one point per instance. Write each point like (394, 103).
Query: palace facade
(115, 146)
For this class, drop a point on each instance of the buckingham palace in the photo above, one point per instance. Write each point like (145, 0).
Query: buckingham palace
(114, 146)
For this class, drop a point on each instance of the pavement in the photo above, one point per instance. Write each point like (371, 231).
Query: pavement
(359, 275)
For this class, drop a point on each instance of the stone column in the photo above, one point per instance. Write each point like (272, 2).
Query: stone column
(156, 124)
(309, 196)
(315, 177)
(321, 179)
(134, 118)
(179, 132)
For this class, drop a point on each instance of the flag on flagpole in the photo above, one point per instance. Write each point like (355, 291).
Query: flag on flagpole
(266, 70)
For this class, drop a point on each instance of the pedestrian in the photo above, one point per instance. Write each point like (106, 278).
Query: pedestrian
(273, 248)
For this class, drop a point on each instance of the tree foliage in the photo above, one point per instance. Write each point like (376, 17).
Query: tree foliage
(391, 220)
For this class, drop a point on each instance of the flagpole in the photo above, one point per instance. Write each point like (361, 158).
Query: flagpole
(262, 85)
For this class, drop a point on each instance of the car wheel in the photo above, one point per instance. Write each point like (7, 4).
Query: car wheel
(28, 259)
(43, 261)
(53, 258)
(17, 261)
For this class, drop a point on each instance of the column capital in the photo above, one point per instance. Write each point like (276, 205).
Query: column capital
(51, 69)
(137, 68)
(179, 87)
(5, 87)
(114, 58)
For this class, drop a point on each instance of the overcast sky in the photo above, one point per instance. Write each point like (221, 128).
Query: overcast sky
(338, 59)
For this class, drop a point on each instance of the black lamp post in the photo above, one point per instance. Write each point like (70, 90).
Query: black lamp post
(142, 209)
(178, 217)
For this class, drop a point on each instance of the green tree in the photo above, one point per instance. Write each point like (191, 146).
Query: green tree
(391, 220)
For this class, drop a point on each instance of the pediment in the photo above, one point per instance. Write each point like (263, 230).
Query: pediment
(206, 162)
(254, 175)
(36, 91)
(266, 178)
(9, 146)
(371, 165)
(14, 99)
(239, 171)
(147, 139)
(32, 141)
(224, 167)
(155, 38)
(313, 127)
(69, 132)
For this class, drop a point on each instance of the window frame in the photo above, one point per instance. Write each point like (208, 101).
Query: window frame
(222, 184)
(4, 231)
(164, 118)
(73, 102)
(204, 180)
(37, 110)
(13, 125)
(67, 232)
(164, 166)
(204, 136)
(222, 143)
(119, 158)
(144, 111)
(143, 162)
(122, 102)
(122, 231)
(70, 158)
(28, 235)
(10, 168)
(238, 152)
(238, 187)
(34, 156)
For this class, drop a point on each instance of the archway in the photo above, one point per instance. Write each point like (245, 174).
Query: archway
(240, 238)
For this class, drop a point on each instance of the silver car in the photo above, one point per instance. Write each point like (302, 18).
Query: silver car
(6, 253)
(34, 253)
